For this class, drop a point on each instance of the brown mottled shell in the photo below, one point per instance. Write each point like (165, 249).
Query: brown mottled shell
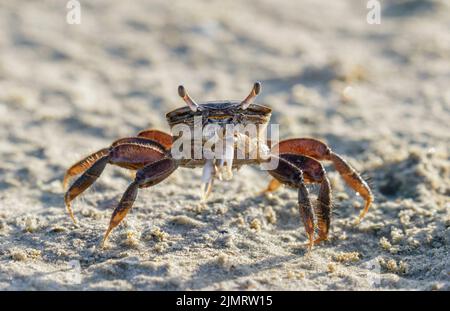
(221, 111)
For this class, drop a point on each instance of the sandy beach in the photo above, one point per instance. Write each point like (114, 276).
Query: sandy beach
(379, 95)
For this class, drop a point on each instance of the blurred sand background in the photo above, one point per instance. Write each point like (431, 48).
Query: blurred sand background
(377, 94)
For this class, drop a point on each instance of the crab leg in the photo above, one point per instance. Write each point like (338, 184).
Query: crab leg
(320, 151)
(125, 204)
(83, 165)
(148, 176)
(290, 174)
(130, 153)
(313, 172)
(135, 152)
(306, 211)
(273, 185)
(84, 181)
(323, 209)
(295, 171)
(156, 136)
(354, 180)
(164, 139)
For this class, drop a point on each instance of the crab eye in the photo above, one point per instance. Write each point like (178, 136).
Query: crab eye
(188, 100)
(251, 97)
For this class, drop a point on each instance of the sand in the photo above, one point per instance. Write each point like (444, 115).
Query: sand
(377, 94)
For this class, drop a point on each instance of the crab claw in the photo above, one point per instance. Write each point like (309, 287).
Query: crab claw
(207, 179)
(226, 161)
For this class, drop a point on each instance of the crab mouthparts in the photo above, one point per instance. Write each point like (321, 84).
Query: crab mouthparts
(221, 164)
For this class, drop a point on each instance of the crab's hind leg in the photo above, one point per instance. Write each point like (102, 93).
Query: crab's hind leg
(320, 151)
(83, 165)
(84, 181)
(161, 137)
(148, 176)
(130, 153)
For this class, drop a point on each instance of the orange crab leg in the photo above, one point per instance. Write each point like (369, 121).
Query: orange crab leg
(130, 153)
(134, 153)
(273, 185)
(148, 176)
(83, 165)
(296, 170)
(163, 138)
(83, 182)
(320, 151)
(354, 180)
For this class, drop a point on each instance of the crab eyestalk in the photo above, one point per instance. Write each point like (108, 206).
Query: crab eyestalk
(187, 99)
(251, 97)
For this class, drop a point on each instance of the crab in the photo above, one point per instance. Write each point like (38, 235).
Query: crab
(151, 155)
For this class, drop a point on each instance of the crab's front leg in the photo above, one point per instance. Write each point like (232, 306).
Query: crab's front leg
(148, 176)
(295, 170)
(320, 151)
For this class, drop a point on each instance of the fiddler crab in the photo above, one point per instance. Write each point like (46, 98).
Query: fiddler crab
(155, 155)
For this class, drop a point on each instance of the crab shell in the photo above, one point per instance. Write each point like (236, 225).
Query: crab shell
(221, 113)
